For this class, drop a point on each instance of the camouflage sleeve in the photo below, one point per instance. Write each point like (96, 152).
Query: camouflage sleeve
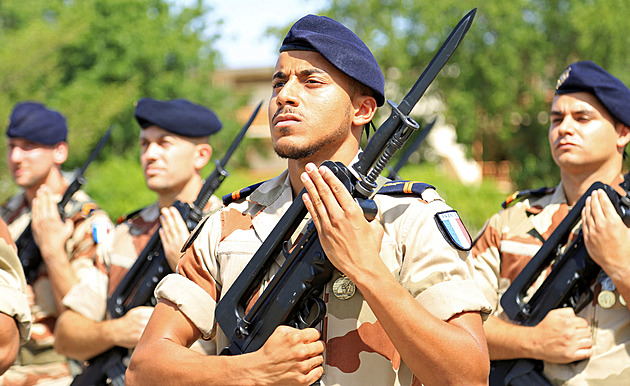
(194, 288)
(89, 227)
(486, 261)
(13, 301)
(432, 270)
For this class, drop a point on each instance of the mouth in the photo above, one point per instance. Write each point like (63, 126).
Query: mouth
(284, 120)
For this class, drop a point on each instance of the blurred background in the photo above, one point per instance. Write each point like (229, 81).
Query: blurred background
(91, 60)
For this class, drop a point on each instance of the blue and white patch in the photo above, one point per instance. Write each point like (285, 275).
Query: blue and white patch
(453, 230)
(100, 229)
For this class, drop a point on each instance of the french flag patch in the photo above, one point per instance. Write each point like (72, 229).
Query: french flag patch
(454, 230)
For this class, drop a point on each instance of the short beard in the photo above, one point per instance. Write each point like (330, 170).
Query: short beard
(298, 153)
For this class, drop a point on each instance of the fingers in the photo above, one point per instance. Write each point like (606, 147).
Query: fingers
(325, 192)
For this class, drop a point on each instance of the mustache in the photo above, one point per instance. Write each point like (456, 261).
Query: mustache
(286, 110)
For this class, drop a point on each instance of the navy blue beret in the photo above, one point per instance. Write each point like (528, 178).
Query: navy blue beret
(178, 116)
(341, 47)
(34, 122)
(589, 77)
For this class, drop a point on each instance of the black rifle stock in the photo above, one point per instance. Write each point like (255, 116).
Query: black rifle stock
(28, 251)
(293, 295)
(393, 171)
(567, 285)
(137, 286)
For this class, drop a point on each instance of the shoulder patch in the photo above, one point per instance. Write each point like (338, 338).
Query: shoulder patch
(453, 229)
(404, 187)
(523, 194)
(240, 194)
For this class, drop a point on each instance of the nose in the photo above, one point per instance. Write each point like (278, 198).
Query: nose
(567, 126)
(15, 154)
(288, 93)
(151, 151)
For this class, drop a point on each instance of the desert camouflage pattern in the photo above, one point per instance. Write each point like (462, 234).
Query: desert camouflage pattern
(358, 349)
(37, 362)
(116, 255)
(510, 239)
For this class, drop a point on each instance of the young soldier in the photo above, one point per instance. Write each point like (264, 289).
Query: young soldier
(15, 315)
(415, 314)
(589, 130)
(37, 149)
(173, 150)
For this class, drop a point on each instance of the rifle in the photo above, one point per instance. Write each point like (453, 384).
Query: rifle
(137, 286)
(293, 295)
(28, 251)
(567, 285)
(393, 172)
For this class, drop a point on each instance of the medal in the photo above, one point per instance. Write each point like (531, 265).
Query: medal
(343, 288)
(622, 301)
(607, 298)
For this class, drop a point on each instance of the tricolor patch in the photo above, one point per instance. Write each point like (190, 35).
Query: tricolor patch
(454, 230)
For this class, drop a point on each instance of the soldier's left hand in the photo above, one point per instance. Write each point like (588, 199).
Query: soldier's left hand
(50, 232)
(351, 242)
(173, 234)
(606, 237)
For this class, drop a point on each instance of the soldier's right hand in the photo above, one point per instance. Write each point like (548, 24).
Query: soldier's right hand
(290, 357)
(563, 337)
(131, 325)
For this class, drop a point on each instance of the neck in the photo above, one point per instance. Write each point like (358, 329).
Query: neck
(575, 185)
(54, 180)
(188, 193)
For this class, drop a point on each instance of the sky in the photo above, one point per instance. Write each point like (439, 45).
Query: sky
(243, 43)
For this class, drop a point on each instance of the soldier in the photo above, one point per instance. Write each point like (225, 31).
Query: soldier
(15, 315)
(415, 312)
(588, 132)
(37, 148)
(173, 150)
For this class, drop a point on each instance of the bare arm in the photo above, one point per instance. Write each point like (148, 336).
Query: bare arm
(290, 356)
(436, 351)
(81, 338)
(9, 341)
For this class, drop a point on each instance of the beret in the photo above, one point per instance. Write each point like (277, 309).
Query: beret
(34, 122)
(341, 47)
(178, 116)
(589, 77)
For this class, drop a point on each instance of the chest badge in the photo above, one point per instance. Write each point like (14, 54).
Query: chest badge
(343, 288)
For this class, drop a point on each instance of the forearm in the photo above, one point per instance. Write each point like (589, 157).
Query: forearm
(509, 341)
(60, 273)
(81, 338)
(437, 352)
(9, 341)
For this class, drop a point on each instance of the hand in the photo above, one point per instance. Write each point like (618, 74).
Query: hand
(50, 232)
(291, 357)
(351, 242)
(606, 237)
(563, 337)
(129, 327)
(174, 234)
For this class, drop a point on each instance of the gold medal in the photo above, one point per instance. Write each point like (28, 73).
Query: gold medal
(622, 300)
(343, 288)
(606, 299)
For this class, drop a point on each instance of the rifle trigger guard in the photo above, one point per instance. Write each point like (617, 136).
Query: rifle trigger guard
(311, 303)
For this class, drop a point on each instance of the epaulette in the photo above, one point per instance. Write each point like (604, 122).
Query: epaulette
(124, 218)
(400, 187)
(523, 194)
(239, 194)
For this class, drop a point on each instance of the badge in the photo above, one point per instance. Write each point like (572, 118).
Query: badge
(622, 301)
(100, 229)
(606, 299)
(453, 230)
(343, 288)
(563, 77)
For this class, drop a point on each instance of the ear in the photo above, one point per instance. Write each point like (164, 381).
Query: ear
(364, 109)
(203, 154)
(60, 153)
(623, 136)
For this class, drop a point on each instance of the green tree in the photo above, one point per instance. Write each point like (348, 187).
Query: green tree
(499, 84)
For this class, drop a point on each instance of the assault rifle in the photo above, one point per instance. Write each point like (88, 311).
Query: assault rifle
(393, 172)
(567, 285)
(28, 251)
(137, 286)
(293, 295)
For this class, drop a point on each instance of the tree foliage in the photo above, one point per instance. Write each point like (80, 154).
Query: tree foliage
(499, 84)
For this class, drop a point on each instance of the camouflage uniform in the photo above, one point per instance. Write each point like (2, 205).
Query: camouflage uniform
(358, 349)
(37, 361)
(116, 255)
(13, 300)
(511, 238)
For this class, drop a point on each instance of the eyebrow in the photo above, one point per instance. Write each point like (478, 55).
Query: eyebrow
(307, 72)
(582, 111)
